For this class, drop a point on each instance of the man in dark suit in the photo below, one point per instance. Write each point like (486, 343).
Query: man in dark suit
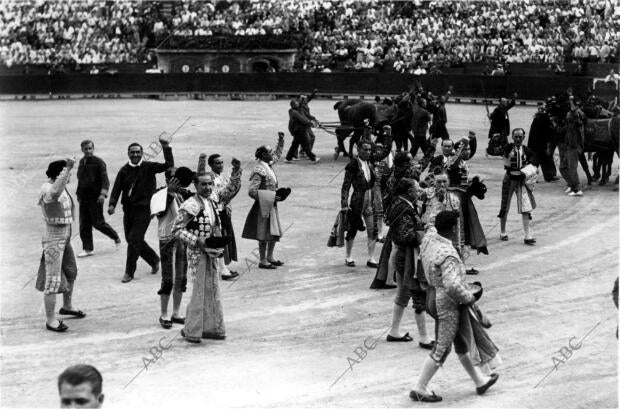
(540, 141)
(136, 182)
(500, 121)
(298, 126)
(441, 161)
(360, 174)
(93, 185)
(419, 126)
(440, 117)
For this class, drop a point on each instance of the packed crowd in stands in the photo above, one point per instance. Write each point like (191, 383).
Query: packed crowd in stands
(412, 36)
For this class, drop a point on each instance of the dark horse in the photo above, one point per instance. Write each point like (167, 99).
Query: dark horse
(355, 115)
(602, 138)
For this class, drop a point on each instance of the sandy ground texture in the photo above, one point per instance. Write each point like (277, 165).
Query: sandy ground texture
(291, 331)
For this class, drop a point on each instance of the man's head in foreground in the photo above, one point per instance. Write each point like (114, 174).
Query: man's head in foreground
(79, 386)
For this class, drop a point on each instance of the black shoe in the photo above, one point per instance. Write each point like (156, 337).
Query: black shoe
(167, 324)
(529, 242)
(371, 264)
(267, 266)
(381, 285)
(503, 237)
(77, 314)
(192, 340)
(177, 320)
(210, 335)
(482, 389)
(349, 263)
(430, 345)
(422, 397)
(126, 279)
(231, 276)
(60, 328)
(472, 271)
(404, 338)
(276, 263)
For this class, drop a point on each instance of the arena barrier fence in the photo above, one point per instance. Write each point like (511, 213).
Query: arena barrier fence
(352, 84)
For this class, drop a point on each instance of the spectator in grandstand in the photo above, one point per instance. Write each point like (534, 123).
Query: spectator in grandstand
(612, 77)
(498, 71)
(419, 70)
(449, 32)
(153, 70)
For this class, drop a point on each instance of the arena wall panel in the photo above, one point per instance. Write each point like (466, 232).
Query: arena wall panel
(475, 86)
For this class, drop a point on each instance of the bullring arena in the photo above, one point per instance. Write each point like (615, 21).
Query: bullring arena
(311, 333)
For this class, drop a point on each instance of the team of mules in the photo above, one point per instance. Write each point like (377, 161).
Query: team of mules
(601, 135)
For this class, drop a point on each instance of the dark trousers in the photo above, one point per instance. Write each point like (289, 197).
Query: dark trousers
(136, 221)
(91, 215)
(311, 138)
(401, 137)
(601, 164)
(439, 130)
(173, 266)
(547, 165)
(569, 161)
(419, 142)
(300, 138)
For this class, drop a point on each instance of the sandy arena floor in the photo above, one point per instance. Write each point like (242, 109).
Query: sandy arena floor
(290, 331)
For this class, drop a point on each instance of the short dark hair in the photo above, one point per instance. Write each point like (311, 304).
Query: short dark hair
(54, 168)
(518, 129)
(261, 151)
(86, 142)
(446, 220)
(401, 158)
(403, 185)
(212, 158)
(135, 144)
(184, 175)
(79, 374)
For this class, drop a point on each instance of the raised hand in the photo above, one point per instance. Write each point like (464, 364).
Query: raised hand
(173, 185)
(236, 163)
(70, 162)
(164, 142)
